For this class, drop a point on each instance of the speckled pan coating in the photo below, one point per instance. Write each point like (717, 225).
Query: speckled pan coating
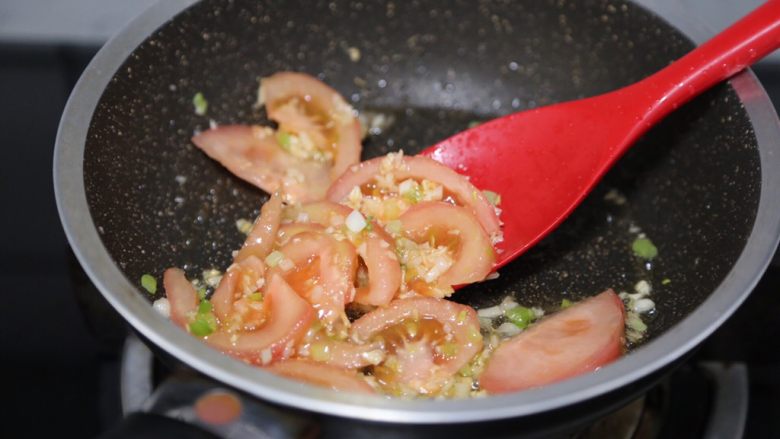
(692, 184)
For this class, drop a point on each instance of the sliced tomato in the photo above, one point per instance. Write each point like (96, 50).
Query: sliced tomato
(344, 354)
(445, 337)
(419, 167)
(239, 281)
(263, 234)
(456, 226)
(181, 295)
(574, 341)
(288, 318)
(378, 253)
(323, 273)
(303, 104)
(322, 375)
(384, 270)
(253, 154)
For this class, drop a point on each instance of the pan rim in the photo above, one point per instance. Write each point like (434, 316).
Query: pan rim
(674, 343)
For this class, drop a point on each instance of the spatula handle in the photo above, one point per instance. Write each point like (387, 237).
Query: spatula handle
(739, 46)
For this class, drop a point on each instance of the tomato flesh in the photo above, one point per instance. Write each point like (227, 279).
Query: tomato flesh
(288, 319)
(419, 358)
(574, 341)
(473, 253)
(321, 375)
(181, 295)
(419, 167)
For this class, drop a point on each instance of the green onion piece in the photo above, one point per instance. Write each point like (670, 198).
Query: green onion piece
(257, 297)
(492, 197)
(200, 103)
(520, 316)
(474, 123)
(462, 316)
(666, 281)
(283, 138)
(369, 225)
(644, 248)
(565, 303)
(202, 326)
(204, 307)
(149, 283)
(274, 258)
(466, 371)
(201, 293)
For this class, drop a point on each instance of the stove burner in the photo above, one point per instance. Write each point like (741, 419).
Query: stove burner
(702, 400)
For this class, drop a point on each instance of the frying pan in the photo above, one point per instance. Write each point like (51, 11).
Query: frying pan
(135, 196)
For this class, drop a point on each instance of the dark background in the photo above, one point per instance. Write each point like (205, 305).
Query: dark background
(60, 363)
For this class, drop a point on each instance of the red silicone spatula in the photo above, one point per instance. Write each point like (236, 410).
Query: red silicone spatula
(544, 161)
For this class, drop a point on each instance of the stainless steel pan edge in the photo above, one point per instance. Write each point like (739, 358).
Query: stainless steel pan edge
(84, 239)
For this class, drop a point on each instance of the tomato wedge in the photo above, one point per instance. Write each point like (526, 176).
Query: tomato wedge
(303, 105)
(288, 319)
(421, 365)
(384, 270)
(574, 341)
(473, 252)
(323, 273)
(344, 354)
(240, 280)
(419, 167)
(322, 375)
(253, 154)
(378, 253)
(181, 295)
(263, 234)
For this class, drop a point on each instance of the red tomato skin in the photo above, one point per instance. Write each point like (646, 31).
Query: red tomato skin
(181, 295)
(577, 340)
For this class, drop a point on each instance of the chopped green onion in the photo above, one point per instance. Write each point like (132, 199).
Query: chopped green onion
(283, 138)
(666, 281)
(273, 259)
(474, 123)
(204, 322)
(200, 103)
(462, 316)
(149, 283)
(257, 297)
(204, 307)
(201, 293)
(644, 248)
(565, 303)
(520, 316)
(492, 197)
(202, 326)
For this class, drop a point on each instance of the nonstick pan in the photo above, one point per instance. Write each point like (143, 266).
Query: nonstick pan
(135, 196)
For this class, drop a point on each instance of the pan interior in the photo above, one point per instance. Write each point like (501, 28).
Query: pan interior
(692, 184)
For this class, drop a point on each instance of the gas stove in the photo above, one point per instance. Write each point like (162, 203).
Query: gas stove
(74, 367)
